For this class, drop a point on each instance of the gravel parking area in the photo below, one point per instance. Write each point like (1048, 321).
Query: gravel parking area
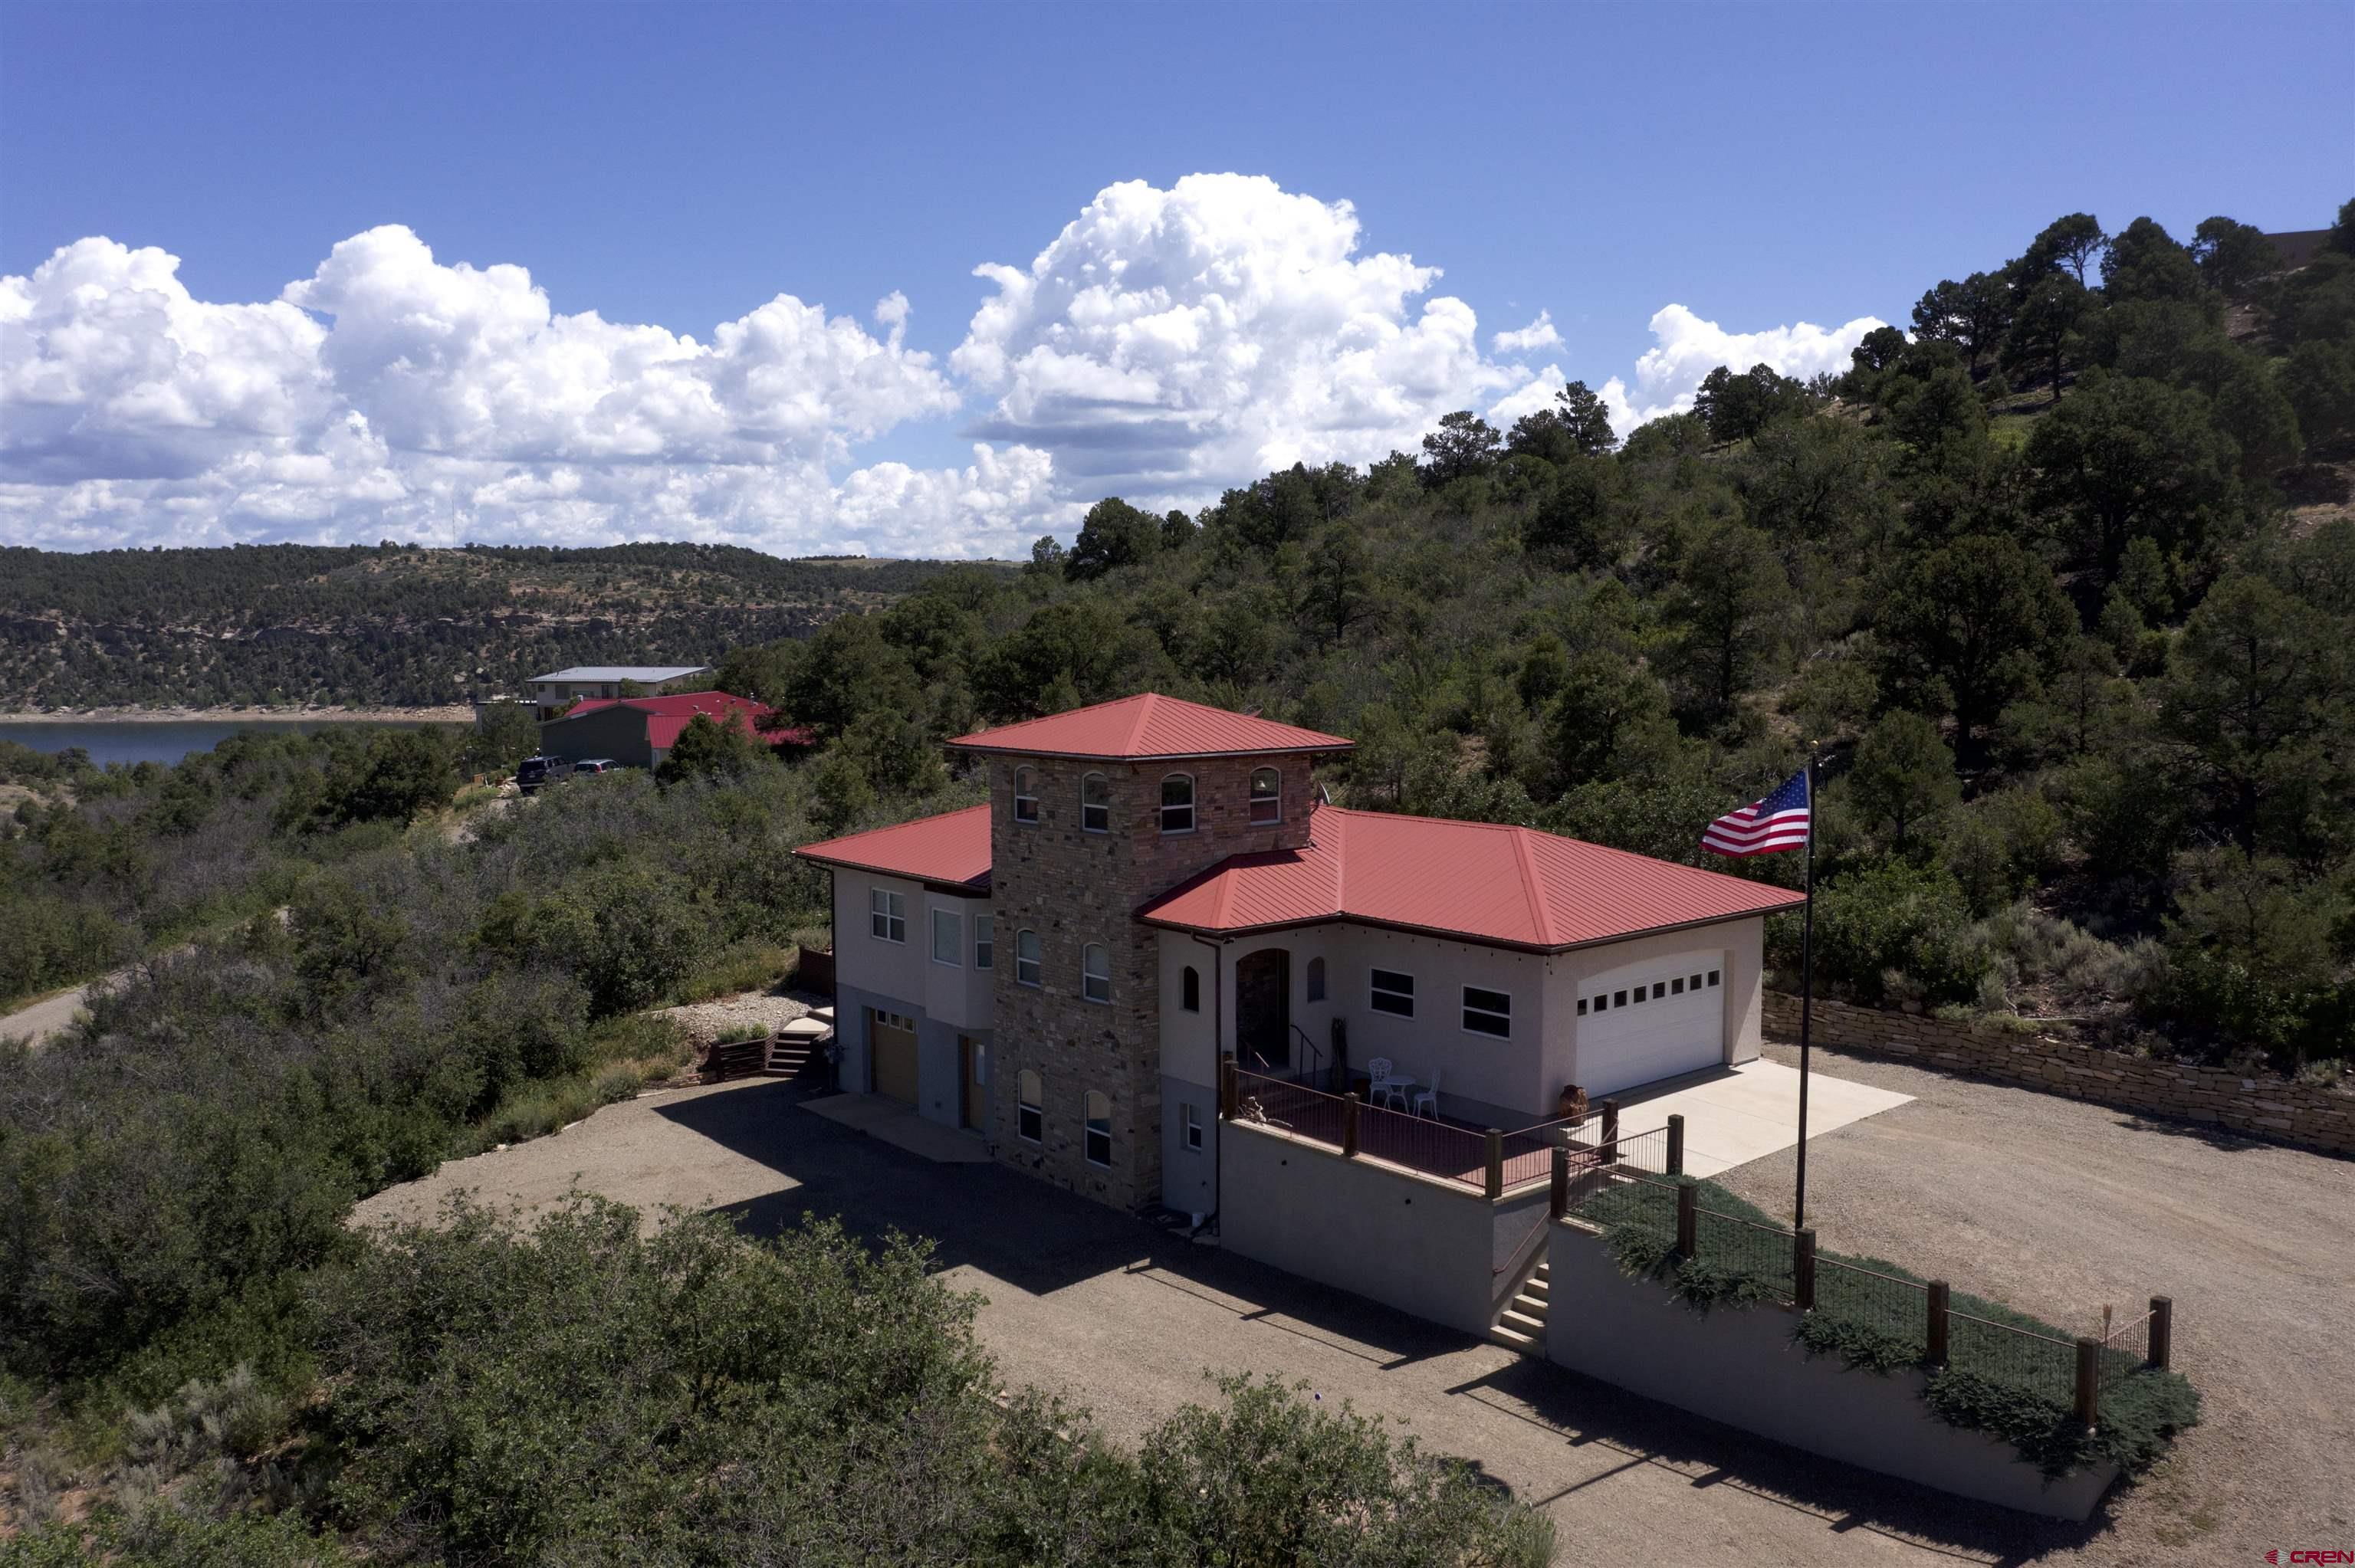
(2055, 1205)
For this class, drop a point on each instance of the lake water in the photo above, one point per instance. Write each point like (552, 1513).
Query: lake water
(136, 740)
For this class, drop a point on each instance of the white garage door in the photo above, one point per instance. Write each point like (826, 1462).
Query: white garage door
(1651, 1019)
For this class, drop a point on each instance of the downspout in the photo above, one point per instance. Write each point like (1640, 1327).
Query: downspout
(1218, 1038)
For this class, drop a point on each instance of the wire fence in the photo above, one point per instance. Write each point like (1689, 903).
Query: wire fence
(2017, 1357)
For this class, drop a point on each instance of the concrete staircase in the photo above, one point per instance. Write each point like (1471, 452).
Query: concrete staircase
(1521, 1325)
(794, 1050)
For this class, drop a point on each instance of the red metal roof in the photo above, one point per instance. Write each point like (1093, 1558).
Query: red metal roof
(667, 716)
(1480, 880)
(1147, 729)
(951, 848)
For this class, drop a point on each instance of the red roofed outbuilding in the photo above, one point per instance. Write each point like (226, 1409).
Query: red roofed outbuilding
(638, 732)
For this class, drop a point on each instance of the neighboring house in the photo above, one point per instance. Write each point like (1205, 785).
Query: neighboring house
(1155, 883)
(552, 692)
(640, 731)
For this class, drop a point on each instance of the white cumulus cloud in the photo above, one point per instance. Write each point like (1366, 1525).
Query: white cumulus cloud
(393, 394)
(1687, 348)
(1169, 343)
(1538, 334)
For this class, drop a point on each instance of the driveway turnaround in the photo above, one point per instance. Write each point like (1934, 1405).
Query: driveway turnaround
(1126, 1318)
(1735, 1115)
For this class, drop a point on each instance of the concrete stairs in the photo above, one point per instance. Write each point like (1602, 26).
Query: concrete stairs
(1521, 1325)
(795, 1050)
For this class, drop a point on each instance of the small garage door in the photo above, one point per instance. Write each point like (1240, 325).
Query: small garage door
(894, 1041)
(1651, 1021)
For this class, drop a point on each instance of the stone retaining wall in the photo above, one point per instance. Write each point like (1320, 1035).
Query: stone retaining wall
(2268, 1108)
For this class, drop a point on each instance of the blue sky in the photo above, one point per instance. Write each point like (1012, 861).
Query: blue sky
(1759, 165)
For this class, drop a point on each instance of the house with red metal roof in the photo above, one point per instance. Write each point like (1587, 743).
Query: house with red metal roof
(1156, 887)
(638, 732)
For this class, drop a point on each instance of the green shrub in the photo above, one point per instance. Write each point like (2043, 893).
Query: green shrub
(1891, 923)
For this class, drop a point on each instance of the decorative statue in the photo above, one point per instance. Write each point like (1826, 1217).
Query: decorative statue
(1572, 1106)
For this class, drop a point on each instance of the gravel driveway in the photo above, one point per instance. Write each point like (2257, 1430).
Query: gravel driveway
(2055, 1205)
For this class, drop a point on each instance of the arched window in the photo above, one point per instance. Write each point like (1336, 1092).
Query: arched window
(1189, 989)
(1029, 1121)
(1178, 803)
(1025, 795)
(1027, 963)
(1095, 972)
(1099, 1127)
(1266, 796)
(1315, 980)
(1095, 803)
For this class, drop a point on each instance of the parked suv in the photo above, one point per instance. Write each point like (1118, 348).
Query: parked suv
(534, 771)
(596, 764)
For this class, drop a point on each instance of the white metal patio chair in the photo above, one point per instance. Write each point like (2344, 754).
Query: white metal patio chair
(1379, 1090)
(1427, 1101)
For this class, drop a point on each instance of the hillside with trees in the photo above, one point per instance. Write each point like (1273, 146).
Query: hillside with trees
(2062, 585)
(391, 625)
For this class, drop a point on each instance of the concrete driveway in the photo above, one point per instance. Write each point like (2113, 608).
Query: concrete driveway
(1735, 1115)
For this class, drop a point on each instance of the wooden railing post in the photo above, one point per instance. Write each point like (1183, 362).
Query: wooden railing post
(1558, 1200)
(1688, 1221)
(2162, 1330)
(1348, 1127)
(1226, 1088)
(1676, 1145)
(1495, 1164)
(2089, 1380)
(1802, 1269)
(1611, 1132)
(1935, 1337)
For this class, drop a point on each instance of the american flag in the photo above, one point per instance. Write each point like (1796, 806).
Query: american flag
(1777, 822)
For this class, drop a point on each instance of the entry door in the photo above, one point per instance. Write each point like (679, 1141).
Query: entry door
(1264, 1010)
(893, 1040)
(1651, 1021)
(969, 1073)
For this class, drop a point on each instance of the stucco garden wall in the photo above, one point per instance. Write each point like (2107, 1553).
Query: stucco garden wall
(1740, 1366)
(2307, 1114)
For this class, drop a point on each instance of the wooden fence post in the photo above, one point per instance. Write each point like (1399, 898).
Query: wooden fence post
(1688, 1221)
(1939, 1298)
(2162, 1330)
(1226, 1088)
(1676, 1145)
(2089, 1380)
(1611, 1132)
(1558, 1200)
(1495, 1164)
(1802, 1269)
(1348, 1127)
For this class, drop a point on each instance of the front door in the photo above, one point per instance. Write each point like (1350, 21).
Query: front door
(893, 1039)
(1264, 1010)
(969, 1077)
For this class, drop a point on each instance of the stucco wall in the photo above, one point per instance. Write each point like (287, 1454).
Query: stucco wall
(1419, 1245)
(2309, 1114)
(1740, 1366)
(904, 971)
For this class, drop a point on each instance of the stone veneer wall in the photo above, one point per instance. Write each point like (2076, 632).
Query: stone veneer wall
(2307, 1115)
(1074, 888)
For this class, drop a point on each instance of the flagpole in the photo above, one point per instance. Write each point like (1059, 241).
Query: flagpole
(1806, 997)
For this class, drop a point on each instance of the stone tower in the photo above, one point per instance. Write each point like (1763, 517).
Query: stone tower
(1092, 813)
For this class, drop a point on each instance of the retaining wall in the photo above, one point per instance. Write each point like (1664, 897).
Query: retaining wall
(2309, 1116)
(1740, 1366)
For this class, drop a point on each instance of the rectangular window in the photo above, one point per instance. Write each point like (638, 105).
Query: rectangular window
(1695, 982)
(1392, 992)
(1712, 977)
(948, 937)
(984, 942)
(1029, 958)
(1030, 1124)
(1618, 999)
(1487, 1012)
(1177, 804)
(887, 913)
(1096, 1141)
(1096, 973)
(1194, 1128)
(1677, 986)
(1582, 1007)
(1095, 804)
(1659, 990)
